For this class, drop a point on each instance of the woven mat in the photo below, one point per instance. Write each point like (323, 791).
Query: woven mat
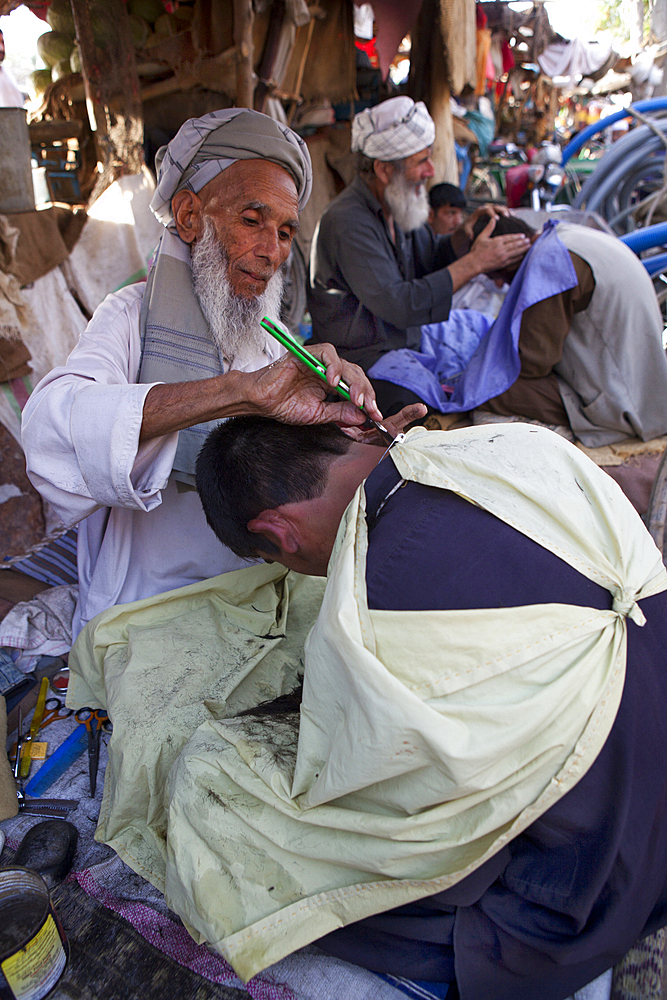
(640, 976)
(109, 960)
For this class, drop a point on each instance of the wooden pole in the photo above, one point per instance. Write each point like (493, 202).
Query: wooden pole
(90, 70)
(430, 83)
(245, 76)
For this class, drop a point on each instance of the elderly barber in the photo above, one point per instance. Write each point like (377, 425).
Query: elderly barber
(111, 438)
(378, 271)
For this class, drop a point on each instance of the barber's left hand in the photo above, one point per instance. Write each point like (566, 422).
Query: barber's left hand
(463, 237)
(395, 425)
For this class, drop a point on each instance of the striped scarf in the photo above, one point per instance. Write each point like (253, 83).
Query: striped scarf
(176, 345)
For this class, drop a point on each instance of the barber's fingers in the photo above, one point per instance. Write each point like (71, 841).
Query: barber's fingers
(394, 425)
(328, 355)
(503, 250)
(513, 247)
(468, 225)
(361, 390)
(399, 421)
(289, 391)
(487, 232)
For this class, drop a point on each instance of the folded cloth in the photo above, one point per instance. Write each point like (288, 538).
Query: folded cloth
(16, 317)
(10, 675)
(41, 626)
(494, 366)
(9, 804)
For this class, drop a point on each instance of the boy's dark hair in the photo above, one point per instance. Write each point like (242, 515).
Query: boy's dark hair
(505, 226)
(446, 194)
(250, 464)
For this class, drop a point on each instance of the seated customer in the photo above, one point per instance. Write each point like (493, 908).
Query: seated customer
(592, 355)
(478, 796)
(447, 208)
(577, 342)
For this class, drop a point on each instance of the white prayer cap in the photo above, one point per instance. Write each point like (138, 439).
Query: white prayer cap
(393, 130)
(204, 147)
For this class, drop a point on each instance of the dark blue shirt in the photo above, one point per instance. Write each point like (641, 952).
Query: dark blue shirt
(571, 894)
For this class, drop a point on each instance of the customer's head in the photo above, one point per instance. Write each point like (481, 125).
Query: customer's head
(505, 226)
(448, 207)
(279, 491)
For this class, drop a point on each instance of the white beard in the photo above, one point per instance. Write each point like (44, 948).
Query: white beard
(233, 320)
(409, 207)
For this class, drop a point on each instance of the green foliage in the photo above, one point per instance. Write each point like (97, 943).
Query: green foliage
(613, 16)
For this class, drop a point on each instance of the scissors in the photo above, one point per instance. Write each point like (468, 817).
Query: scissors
(95, 720)
(54, 710)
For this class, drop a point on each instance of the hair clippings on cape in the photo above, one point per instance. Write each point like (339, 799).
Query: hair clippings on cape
(284, 337)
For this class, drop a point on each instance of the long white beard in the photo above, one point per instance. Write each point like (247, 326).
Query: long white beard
(408, 206)
(233, 320)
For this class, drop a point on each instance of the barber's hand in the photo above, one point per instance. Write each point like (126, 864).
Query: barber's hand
(290, 392)
(495, 254)
(362, 392)
(463, 237)
(395, 425)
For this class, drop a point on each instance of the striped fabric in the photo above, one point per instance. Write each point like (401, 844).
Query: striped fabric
(417, 989)
(52, 561)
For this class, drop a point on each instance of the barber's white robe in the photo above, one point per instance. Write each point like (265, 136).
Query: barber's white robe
(138, 536)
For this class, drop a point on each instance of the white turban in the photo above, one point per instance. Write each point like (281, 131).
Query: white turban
(204, 147)
(393, 130)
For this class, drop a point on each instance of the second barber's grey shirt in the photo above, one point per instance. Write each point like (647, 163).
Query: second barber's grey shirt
(368, 295)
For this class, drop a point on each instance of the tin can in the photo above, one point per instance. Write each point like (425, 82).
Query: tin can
(33, 946)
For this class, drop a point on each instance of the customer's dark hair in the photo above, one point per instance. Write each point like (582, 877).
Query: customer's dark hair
(505, 226)
(446, 194)
(250, 464)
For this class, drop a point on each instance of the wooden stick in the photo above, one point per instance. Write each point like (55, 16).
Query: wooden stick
(245, 76)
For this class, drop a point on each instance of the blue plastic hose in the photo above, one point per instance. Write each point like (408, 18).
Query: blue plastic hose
(654, 104)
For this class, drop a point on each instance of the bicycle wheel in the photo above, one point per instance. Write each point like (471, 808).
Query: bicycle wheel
(482, 185)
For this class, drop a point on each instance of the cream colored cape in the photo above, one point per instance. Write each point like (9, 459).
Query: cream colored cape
(427, 740)
(163, 665)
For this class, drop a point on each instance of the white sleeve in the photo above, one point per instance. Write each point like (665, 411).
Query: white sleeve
(81, 425)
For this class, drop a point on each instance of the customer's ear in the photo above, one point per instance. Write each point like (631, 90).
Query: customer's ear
(277, 528)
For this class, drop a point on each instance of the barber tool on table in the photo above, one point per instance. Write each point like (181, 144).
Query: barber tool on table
(51, 710)
(95, 720)
(284, 337)
(55, 712)
(24, 752)
(40, 807)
